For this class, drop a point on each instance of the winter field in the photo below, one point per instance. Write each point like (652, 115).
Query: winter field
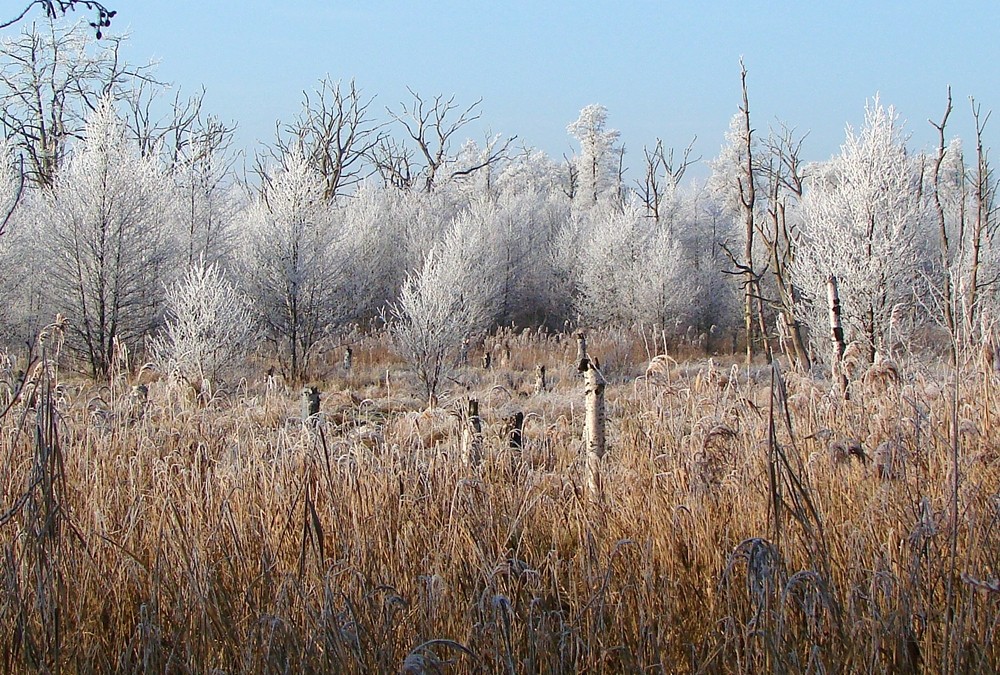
(152, 532)
(324, 407)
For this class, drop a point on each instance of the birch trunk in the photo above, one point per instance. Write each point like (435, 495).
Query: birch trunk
(595, 427)
(836, 336)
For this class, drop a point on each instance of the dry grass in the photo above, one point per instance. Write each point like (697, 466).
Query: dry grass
(163, 534)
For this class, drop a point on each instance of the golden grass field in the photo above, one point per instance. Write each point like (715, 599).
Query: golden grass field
(160, 533)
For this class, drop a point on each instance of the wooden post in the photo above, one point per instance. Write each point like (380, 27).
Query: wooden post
(594, 432)
(472, 435)
(514, 430)
(837, 371)
(539, 379)
(310, 404)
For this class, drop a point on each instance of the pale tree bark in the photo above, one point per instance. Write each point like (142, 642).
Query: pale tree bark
(594, 435)
(540, 379)
(837, 371)
(310, 404)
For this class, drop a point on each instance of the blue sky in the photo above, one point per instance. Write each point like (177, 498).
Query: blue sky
(664, 69)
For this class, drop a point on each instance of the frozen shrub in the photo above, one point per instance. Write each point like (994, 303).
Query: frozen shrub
(207, 328)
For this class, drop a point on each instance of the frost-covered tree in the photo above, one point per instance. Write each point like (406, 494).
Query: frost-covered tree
(609, 266)
(11, 182)
(51, 77)
(447, 300)
(475, 170)
(510, 235)
(532, 170)
(736, 177)
(422, 220)
(293, 262)
(17, 269)
(863, 222)
(662, 177)
(430, 128)
(777, 233)
(980, 247)
(208, 325)
(597, 165)
(207, 199)
(631, 269)
(101, 233)
(965, 212)
(375, 261)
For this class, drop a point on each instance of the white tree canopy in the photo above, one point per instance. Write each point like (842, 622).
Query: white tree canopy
(293, 262)
(863, 222)
(597, 164)
(104, 244)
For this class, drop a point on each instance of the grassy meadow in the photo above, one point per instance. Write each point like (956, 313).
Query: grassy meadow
(748, 519)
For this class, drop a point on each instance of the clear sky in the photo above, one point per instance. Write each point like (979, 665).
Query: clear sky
(667, 69)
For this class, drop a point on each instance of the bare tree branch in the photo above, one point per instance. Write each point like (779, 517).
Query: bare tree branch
(49, 83)
(336, 133)
(56, 8)
(431, 126)
(662, 174)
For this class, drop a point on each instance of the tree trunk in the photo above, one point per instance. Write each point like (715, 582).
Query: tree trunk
(748, 200)
(595, 427)
(837, 337)
(794, 327)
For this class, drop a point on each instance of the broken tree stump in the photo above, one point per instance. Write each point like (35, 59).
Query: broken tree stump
(310, 404)
(837, 371)
(539, 379)
(472, 435)
(594, 430)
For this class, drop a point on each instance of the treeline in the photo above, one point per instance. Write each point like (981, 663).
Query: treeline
(156, 235)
